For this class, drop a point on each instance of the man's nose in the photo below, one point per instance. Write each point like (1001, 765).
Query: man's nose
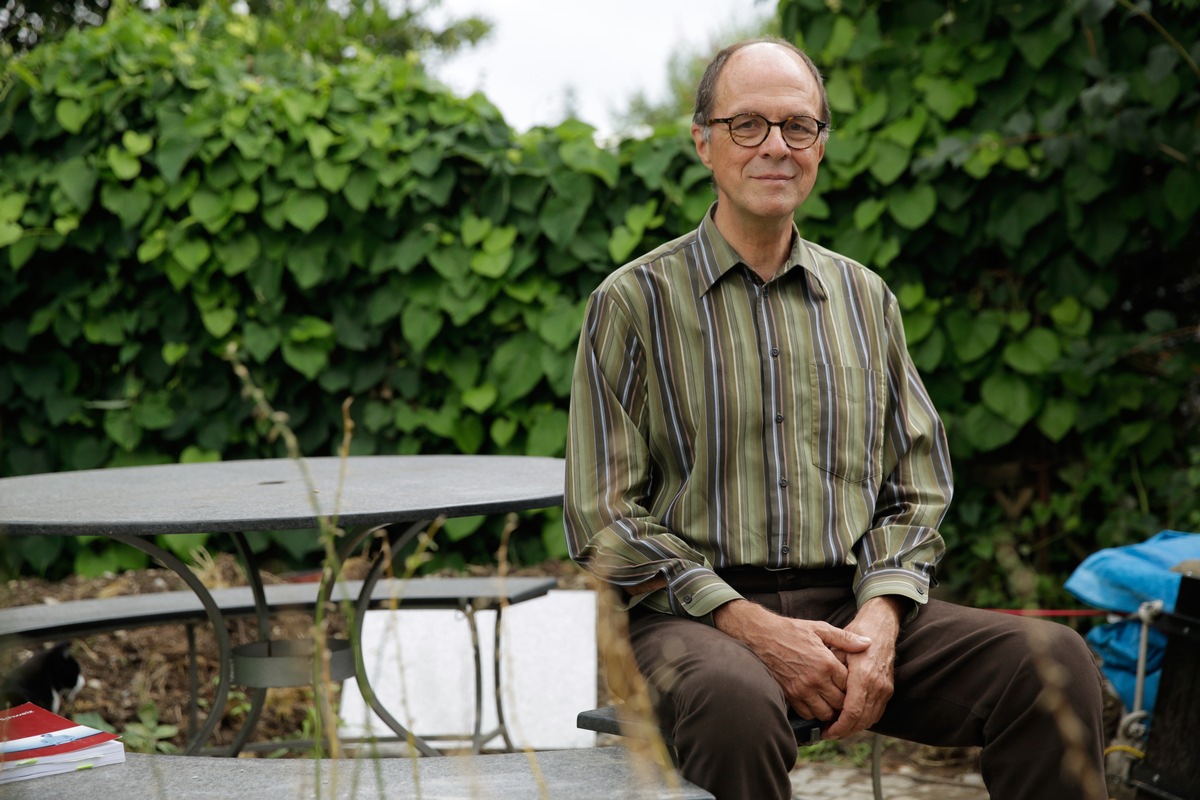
(774, 143)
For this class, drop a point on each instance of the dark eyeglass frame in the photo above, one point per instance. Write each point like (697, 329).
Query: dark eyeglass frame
(821, 127)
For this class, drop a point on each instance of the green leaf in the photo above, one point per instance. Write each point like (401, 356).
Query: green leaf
(480, 398)
(912, 208)
(453, 263)
(219, 321)
(184, 546)
(945, 97)
(238, 254)
(1057, 417)
(12, 206)
(152, 246)
(917, 325)
(1038, 43)
(889, 161)
(459, 528)
(1034, 353)
(121, 428)
(310, 329)
(1181, 191)
(260, 341)
(985, 430)
(172, 155)
(209, 207)
(622, 242)
(306, 358)
(907, 131)
(515, 367)
(78, 182)
(1010, 397)
(192, 253)
(548, 435)
(868, 212)
(138, 144)
(560, 323)
(305, 210)
(307, 265)
(973, 336)
(491, 265)
(153, 411)
(474, 229)
(503, 430)
(583, 155)
(174, 352)
(420, 326)
(40, 552)
(124, 165)
(72, 114)
(9, 233)
(128, 203)
(319, 139)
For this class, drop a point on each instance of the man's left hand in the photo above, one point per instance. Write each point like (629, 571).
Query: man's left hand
(871, 673)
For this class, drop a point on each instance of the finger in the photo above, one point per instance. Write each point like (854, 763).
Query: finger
(836, 638)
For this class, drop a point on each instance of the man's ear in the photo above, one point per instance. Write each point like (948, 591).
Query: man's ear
(701, 145)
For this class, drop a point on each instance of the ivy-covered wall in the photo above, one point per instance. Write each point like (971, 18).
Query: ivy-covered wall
(174, 184)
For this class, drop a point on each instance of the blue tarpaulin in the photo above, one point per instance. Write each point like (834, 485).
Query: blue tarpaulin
(1121, 579)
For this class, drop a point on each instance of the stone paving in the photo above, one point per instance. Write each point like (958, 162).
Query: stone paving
(825, 782)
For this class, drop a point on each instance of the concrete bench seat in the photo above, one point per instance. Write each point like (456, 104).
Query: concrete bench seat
(48, 622)
(601, 773)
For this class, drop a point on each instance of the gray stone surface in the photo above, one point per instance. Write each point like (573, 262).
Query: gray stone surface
(825, 782)
(272, 494)
(606, 773)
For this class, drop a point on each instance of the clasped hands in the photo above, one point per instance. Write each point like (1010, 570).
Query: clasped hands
(842, 676)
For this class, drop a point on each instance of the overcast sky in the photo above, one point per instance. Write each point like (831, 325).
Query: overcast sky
(602, 52)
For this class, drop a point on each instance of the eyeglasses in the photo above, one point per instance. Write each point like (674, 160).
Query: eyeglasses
(751, 130)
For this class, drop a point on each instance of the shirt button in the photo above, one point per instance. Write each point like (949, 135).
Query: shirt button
(783, 482)
(687, 598)
(779, 417)
(774, 352)
(785, 549)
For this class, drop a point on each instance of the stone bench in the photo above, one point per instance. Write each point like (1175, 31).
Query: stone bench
(49, 622)
(601, 773)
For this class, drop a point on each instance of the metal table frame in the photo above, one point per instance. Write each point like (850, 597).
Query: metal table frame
(374, 495)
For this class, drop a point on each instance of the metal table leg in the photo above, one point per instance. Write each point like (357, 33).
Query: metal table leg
(225, 650)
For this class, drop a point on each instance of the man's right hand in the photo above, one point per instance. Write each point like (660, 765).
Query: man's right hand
(799, 653)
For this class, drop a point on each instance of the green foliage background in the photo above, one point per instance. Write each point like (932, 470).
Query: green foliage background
(174, 184)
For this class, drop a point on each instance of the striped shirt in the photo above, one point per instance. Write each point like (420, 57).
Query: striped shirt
(718, 421)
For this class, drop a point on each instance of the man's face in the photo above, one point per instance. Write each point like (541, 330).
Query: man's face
(761, 186)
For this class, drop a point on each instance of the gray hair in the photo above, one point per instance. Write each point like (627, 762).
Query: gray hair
(706, 92)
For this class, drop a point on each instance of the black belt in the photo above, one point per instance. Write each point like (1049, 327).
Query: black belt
(760, 579)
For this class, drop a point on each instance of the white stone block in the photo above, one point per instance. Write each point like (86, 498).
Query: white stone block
(421, 668)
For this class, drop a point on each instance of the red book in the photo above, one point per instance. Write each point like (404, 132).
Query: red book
(34, 741)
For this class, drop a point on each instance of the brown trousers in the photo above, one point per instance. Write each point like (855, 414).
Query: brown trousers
(964, 677)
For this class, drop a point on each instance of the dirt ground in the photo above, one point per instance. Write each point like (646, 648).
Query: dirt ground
(138, 679)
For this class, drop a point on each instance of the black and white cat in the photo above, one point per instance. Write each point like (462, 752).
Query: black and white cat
(47, 679)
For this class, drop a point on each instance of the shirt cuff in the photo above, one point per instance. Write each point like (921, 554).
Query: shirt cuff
(695, 593)
(911, 586)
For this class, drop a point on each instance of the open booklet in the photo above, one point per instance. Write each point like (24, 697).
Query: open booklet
(34, 742)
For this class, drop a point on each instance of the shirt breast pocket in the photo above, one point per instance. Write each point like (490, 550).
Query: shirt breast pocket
(847, 415)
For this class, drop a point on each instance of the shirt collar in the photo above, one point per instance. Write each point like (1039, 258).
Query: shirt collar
(719, 257)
